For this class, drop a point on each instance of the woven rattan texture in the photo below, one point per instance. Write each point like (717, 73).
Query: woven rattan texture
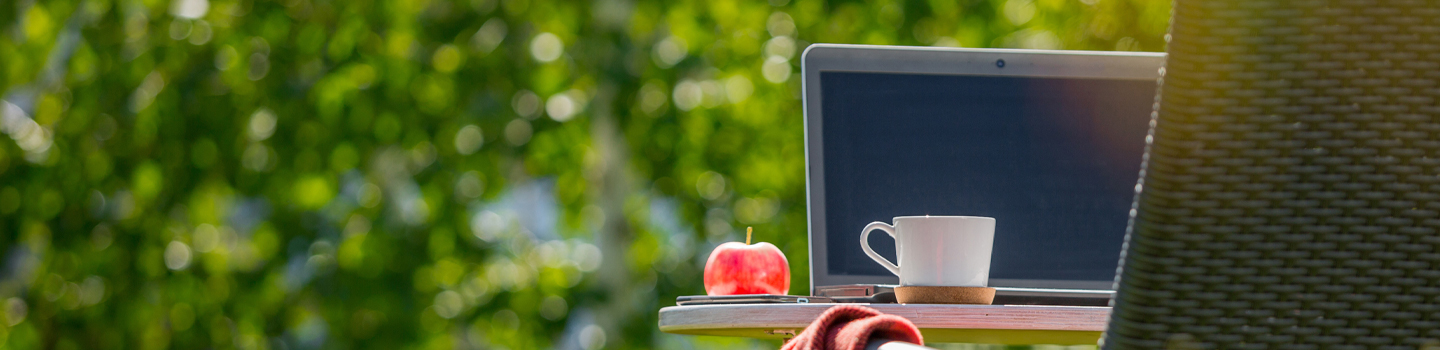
(1290, 197)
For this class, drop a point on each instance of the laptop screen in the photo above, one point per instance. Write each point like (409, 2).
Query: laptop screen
(1053, 160)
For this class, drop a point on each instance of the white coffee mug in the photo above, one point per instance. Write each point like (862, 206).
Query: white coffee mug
(937, 250)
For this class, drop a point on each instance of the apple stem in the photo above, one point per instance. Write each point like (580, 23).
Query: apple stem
(748, 230)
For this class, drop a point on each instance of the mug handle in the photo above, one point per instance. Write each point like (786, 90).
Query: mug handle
(865, 244)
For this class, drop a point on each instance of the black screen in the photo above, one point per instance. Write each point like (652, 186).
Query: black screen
(1053, 160)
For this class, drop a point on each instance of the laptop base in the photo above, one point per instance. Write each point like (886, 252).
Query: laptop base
(885, 294)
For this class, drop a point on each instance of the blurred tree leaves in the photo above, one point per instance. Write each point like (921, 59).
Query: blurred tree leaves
(516, 174)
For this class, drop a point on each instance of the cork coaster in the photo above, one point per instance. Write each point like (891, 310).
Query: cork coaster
(944, 295)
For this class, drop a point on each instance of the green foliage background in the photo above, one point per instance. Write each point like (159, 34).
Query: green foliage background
(299, 174)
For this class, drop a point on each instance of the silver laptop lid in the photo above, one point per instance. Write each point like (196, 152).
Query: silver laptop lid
(1047, 142)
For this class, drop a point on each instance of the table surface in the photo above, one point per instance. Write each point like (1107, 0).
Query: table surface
(988, 324)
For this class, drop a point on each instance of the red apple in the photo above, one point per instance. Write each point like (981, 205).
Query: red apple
(736, 268)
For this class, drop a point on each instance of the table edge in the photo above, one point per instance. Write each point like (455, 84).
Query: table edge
(1013, 317)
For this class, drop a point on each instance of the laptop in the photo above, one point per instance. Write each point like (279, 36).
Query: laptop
(1049, 143)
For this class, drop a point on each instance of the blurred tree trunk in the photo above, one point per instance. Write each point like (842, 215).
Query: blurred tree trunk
(612, 182)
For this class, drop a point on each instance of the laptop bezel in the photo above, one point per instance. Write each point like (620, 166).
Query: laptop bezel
(819, 58)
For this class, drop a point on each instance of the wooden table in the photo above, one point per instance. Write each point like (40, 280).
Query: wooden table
(988, 324)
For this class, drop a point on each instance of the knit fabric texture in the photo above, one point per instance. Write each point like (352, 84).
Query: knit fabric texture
(851, 327)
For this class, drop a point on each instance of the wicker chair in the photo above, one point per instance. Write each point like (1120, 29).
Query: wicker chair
(1290, 197)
